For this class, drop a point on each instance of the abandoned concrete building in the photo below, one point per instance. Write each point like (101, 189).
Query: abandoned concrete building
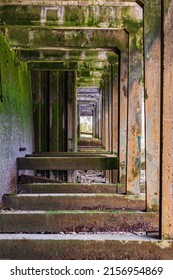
(86, 129)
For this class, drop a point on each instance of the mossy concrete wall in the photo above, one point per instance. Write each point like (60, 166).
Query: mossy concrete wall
(15, 115)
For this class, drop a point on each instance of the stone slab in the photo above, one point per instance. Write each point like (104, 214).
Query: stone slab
(78, 221)
(79, 247)
(67, 188)
(70, 154)
(73, 202)
(67, 163)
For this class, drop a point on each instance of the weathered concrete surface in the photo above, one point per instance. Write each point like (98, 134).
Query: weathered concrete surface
(15, 115)
(77, 221)
(73, 202)
(79, 37)
(67, 188)
(167, 119)
(123, 121)
(66, 163)
(152, 41)
(134, 123)
(65, 247)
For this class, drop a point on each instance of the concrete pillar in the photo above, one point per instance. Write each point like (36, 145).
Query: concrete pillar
(72, 110)
(167, 122)
(123, 102)
(94, 123)
(103, 116)
(37, 104)
(100, 115)
(54, 111)
(115, 115)
(106, 112)
(97, 120)
(71, 118)
(152, 40)
(134, 121)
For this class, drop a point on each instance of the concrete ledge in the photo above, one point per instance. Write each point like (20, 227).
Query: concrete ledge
(79, 247)
(73, 202)
(77, 221)
(109, 162)
(67, 188)
(70, 154)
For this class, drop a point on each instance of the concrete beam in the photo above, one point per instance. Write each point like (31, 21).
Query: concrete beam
(77, 37)
(51, 66)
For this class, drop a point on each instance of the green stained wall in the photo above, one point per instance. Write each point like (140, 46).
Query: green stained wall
(15, 115)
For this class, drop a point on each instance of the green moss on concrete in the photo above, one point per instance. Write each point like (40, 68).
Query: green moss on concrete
(15, 114)
(19, 14)
(152, 21)
(166, 5)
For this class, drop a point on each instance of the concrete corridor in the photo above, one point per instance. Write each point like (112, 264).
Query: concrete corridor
(86, 85)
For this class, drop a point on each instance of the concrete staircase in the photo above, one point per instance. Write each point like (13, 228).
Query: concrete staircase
(76, 221)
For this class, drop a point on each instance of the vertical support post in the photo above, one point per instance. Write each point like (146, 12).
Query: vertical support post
(37, 111)
(72, 110)
(94, 123)
(123, 112)
(100, 114)
(78, 121)
(103, 116)
(54, 111)
(134, 120)
(72, 117)
(106, 112)
(115, 114)
(167, 122)
(152, 41)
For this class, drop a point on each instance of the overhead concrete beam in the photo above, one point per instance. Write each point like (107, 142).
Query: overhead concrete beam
(72, 37)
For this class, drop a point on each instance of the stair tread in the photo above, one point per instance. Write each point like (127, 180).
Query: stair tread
(74, 212)
(87, 236)
(141, 197)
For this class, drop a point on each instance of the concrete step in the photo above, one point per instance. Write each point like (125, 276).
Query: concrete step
(70, 154)
(67, 188)
(77, 221)
(84, 246)
(106, 162)
(73, 202)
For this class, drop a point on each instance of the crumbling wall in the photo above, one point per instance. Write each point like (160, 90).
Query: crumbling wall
(15, 116)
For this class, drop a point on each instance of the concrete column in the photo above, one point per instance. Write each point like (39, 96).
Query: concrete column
(115, 115)
(37, 104)
(54, 111)
(97, 120)
(63, 112)
(71, 117)
(72, 110)
(152, 39)
(167, 122)
(78, 121)
(123, 102)
(100, 115)
(106, 113)
(94, 123)
(134, 121)
(103, 116)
